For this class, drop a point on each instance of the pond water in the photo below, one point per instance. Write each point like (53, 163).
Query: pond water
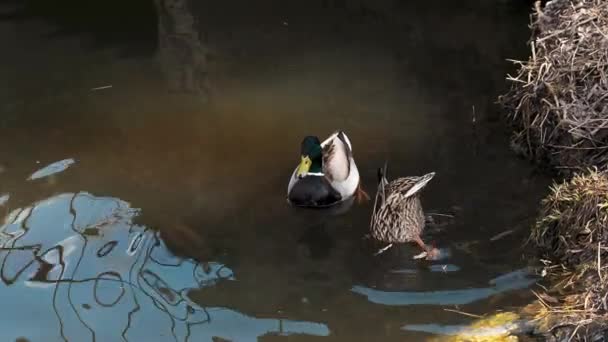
(132, 212)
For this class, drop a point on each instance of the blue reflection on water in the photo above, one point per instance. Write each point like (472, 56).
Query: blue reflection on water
(77, 266)
(51, 169)
(518, 279)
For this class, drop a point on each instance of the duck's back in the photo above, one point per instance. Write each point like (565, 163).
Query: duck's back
(399, 219)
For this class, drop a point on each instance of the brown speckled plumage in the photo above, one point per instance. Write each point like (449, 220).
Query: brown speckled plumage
(398, 216)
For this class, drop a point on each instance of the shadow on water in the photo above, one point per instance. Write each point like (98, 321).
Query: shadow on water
(215, 251)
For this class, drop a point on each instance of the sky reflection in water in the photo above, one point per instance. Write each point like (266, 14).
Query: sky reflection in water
(81, 259)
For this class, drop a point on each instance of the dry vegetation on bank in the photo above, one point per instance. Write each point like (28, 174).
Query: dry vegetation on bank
(558, 106)
(558, 101)
(572, 238)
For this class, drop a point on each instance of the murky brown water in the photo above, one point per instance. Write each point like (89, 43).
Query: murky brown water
(171, 222)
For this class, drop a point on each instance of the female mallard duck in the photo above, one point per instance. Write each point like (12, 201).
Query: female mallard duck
(327, 173)
(398, 216)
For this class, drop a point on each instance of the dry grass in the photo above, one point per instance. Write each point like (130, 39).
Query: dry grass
(572, 237)
(558, 105)
(558, 101)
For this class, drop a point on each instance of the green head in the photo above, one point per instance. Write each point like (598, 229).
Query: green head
(311, 156)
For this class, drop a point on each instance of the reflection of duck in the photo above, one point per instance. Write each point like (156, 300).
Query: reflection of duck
(398, 216)
(327, 173)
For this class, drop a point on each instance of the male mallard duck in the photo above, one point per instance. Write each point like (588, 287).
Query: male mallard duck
(327, 173)
(398, 216)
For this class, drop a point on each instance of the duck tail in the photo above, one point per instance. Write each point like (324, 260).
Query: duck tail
(385, 173)
(421, 182)
(374, 208)
(382, 174)
(382, 179)
(380, 191)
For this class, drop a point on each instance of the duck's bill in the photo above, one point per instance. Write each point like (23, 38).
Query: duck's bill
(304, 166)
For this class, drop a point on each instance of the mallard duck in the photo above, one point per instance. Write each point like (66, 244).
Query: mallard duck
(398, 216)
(327, 173)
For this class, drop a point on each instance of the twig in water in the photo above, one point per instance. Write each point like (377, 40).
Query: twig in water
(438, 214)
(473, 117)
(599, 261)
(474, 130)
(541, 300)
(463, 313)
(501, 235)
(384, 249)
(101, 88)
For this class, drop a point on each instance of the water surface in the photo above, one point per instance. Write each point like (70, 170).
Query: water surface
(137, 213)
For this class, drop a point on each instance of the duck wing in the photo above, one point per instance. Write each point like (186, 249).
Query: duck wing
(410, 186)
(337, 155)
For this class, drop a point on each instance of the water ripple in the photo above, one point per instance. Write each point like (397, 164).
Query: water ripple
(518, 279)
(51, 169)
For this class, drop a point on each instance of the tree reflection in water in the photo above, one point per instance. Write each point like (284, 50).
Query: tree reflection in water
(182, 54)
(81, 259)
